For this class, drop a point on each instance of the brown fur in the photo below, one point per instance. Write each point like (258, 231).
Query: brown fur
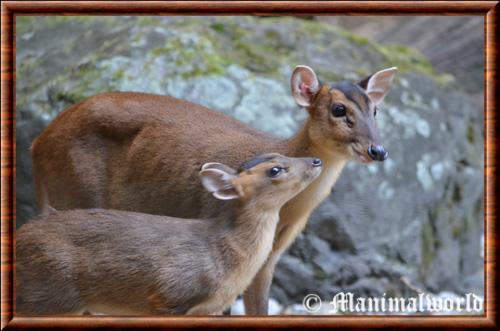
(141, 152)
(119, 262)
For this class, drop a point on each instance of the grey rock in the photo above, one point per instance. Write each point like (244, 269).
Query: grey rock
(456, 32)
(209, 91)
(330, 229)
(27, 128)
(293, 276)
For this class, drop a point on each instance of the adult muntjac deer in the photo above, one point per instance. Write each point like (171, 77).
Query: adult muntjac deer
(142, 152)
(121, 262)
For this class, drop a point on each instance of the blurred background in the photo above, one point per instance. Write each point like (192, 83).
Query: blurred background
(413, 223)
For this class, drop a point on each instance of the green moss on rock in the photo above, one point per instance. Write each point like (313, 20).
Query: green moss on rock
(427, 246)
(470, 134)
(195, 47)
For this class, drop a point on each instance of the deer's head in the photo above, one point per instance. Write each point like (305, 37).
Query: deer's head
(342, 115)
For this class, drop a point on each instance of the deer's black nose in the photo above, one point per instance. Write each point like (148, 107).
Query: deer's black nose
(377, 153)
(317, 163)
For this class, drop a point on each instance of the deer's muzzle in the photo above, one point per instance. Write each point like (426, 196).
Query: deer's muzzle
(377, 153)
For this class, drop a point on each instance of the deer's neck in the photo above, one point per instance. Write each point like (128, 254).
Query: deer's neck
(301, 145)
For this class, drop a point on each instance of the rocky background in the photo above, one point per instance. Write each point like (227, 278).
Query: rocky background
(414, 222)
(452, 44)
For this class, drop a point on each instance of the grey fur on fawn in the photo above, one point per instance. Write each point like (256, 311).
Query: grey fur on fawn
(128, 263)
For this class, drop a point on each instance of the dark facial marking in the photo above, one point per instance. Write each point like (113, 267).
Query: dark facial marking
(354, 93)
(253, 162)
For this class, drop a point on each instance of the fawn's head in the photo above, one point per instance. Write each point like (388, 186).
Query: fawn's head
(270, 179)
(342, 116)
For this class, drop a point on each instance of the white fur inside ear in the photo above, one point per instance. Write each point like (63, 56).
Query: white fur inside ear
(219, 183)
(219, 166)
(379, 84)
(304, 84)
(226, 195)
(209, 165)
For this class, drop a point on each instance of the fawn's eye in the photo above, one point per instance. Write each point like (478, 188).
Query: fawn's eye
(338, 110)
(375, 112)
(275, 171)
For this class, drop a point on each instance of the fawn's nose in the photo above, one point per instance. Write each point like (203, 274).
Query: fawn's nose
(377, 153)
(317, 163)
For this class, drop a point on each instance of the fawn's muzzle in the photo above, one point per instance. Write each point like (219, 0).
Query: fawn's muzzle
(377, 153)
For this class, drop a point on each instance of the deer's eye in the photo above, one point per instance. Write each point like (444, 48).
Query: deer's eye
(338, 110)
(275, 171)
(375, 112)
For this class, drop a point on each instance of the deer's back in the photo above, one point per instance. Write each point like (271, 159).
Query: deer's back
(139, 152)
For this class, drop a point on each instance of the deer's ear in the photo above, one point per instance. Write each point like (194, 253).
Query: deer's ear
(378, 85)
(304, 85)
(219, 183)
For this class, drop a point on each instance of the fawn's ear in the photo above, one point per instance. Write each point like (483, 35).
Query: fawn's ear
(378, 85)
(305, 85)
(219, 182)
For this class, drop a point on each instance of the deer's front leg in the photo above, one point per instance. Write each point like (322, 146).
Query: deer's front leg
(256, 296)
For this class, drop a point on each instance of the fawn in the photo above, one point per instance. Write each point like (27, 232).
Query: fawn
(141, 152)
(120, 262)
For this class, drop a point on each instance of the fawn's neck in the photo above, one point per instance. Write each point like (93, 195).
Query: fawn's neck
(249, 227)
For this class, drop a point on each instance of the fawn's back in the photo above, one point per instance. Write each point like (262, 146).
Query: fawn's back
(80, 258)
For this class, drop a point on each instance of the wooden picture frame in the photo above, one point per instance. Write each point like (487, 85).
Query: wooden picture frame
(11, 9)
